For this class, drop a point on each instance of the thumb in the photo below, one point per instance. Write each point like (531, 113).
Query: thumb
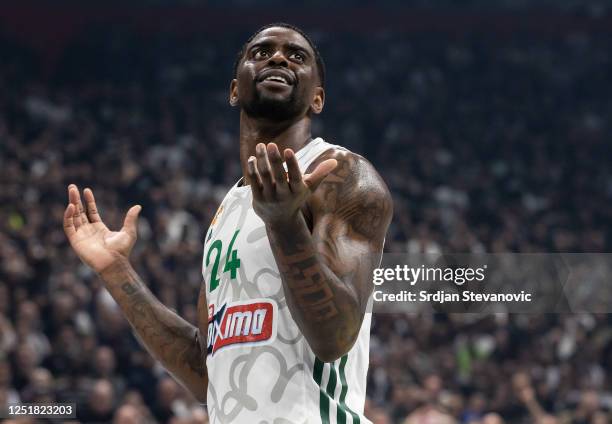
(318, 175)
(131, 219)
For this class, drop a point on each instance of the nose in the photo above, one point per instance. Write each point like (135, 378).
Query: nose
(278, 59)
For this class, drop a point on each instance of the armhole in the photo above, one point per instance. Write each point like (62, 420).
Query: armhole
(327, 149)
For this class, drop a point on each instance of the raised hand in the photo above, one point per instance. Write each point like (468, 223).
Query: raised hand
(90, 238)
(279, 195)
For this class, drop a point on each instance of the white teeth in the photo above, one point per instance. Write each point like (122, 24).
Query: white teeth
(276, 78)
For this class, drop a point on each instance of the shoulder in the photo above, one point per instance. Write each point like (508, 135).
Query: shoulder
(354, 191)
(353, 175)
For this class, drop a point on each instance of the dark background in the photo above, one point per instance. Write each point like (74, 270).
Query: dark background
(490, 122)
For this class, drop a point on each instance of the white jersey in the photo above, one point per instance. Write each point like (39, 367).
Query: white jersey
(260, 367)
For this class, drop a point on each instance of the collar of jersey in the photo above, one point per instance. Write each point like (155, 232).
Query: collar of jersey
(299, 154)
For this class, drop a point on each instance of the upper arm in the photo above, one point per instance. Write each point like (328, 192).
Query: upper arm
(351, 211)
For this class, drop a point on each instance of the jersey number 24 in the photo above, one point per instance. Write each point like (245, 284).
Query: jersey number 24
(232, 262)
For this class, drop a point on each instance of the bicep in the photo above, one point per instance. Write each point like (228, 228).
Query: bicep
(350, 239)
(351, 211)
(349, 256)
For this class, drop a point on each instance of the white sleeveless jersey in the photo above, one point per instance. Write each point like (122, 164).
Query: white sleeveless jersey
(260, 367)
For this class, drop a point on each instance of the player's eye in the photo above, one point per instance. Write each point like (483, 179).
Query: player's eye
(298, 57)
(261, 54)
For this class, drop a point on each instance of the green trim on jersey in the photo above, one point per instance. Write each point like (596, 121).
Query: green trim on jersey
(342, 408)
(317, 374)
(327, 395)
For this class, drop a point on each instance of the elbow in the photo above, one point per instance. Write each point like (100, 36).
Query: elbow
(330, 352)
(331, 344)
(328, 355)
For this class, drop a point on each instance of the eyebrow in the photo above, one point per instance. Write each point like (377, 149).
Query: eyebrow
(292, 46)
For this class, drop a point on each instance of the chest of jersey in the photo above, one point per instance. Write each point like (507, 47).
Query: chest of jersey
(243, 286)
(260, 367)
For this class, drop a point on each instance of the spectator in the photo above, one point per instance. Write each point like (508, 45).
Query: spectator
(100, 404)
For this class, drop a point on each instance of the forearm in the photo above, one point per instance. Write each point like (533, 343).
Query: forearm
(325, 308)
(168, 337)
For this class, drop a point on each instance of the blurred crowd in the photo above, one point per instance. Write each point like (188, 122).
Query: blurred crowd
(488, 144)
(577, 7)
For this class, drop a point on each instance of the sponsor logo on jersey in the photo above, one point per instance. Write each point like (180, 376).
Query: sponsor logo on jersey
(242, 323)
(216, 217)
(213, 223)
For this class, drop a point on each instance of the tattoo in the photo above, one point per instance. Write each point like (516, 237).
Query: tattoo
(352, 195)
(311, 292)
(324, 273)
(128, 288)
(174, 341)
(170, 339)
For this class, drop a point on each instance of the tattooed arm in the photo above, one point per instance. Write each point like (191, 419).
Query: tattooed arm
(326, 272)
(178, 345)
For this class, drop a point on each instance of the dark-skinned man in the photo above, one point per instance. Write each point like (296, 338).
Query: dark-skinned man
(282, 334)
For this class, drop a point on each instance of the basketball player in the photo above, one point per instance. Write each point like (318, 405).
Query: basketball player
(282, 335)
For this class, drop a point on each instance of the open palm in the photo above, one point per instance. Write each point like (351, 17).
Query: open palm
(90, 238)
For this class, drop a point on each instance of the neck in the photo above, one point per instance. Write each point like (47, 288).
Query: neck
(293, 135)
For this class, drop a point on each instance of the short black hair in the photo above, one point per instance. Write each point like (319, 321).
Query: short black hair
(318, 58)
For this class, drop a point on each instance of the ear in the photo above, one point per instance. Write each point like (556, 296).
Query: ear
(233, 93)
(318, 100)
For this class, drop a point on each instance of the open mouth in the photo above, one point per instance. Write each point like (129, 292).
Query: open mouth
(276, 78)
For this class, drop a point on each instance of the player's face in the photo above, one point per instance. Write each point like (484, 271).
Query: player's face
(277, 78)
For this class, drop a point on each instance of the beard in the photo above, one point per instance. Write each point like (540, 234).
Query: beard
(273, 109)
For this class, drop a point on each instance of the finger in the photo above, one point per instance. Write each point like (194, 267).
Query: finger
(276, 162)
(293, 169)
(131, 220)
(69, 221)
(265, 172)
(254, 178)
(313, 180)
(75, 199)
(92, 209)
